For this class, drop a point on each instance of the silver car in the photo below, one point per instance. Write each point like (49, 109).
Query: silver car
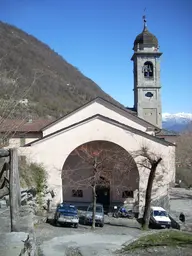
(99, 215)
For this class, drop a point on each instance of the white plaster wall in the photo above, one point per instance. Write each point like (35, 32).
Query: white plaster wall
(93, 109)
(15, 142)
(54, 150)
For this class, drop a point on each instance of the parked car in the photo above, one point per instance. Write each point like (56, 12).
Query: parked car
(99, 215)
(67, 214)
(159, 218)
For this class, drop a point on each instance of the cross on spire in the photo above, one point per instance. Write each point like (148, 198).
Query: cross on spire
(145, 20)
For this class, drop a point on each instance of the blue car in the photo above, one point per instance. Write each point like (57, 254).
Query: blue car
(67, 214)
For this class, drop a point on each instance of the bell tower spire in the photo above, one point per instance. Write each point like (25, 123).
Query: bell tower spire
(147, 87)
(144, 21)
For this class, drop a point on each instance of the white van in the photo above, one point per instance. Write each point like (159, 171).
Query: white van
(159, 217)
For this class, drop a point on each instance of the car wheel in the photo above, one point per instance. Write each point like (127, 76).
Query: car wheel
(116, 215)
(101, 225)
(76, 225)
(57, 224)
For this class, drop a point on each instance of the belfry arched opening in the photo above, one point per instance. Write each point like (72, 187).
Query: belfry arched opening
(106, 165)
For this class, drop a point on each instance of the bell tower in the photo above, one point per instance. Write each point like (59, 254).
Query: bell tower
(147, 86)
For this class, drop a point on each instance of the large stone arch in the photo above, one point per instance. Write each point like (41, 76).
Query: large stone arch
(119, 175)
(53, 150)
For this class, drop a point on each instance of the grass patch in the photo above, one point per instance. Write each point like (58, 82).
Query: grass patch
(163, 238)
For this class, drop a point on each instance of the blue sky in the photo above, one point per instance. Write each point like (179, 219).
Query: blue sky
(97, 37)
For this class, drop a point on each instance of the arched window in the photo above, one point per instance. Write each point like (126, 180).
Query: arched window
(148, 69)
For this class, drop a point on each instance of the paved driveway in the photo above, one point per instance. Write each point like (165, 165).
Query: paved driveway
(65, 241)
(181, 201)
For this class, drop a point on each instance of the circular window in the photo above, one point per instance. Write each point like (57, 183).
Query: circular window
(149, 94)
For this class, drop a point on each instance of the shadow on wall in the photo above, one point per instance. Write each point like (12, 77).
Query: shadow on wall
(116, 171)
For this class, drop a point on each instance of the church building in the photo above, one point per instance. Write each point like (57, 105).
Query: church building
(104, 123)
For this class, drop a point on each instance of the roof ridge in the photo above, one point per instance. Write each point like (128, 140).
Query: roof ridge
(107, 118)
(96, 99)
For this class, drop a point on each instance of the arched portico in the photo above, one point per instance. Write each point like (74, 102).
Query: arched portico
(53, 150)
(110, 166)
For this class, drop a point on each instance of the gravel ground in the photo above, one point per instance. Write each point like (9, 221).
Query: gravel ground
(102, 241)
(181, 201)
(5, 225)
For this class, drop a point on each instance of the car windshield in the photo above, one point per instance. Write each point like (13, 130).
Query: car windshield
(68, 208)
(98, 209)
(160, 213)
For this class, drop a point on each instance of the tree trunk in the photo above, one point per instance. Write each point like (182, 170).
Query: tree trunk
(94, 205)
(146, 214)
(14, 188)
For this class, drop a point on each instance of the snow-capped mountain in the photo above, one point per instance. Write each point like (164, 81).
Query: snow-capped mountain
(177, 122)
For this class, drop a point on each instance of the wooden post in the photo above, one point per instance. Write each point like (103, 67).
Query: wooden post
(14, 188)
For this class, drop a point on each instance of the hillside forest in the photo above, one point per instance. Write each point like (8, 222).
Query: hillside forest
(36, 82)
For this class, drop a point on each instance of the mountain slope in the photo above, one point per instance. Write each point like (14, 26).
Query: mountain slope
(37, 77)
(177, 122)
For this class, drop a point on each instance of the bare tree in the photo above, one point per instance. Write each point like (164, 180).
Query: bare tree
(150, 161)
(184, 159)
(184, 150)
(9, 105)
(96, 164)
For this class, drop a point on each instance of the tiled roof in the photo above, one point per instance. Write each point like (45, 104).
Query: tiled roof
(16, 125)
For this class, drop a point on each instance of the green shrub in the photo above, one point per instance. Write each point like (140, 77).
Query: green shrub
(32, 175)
